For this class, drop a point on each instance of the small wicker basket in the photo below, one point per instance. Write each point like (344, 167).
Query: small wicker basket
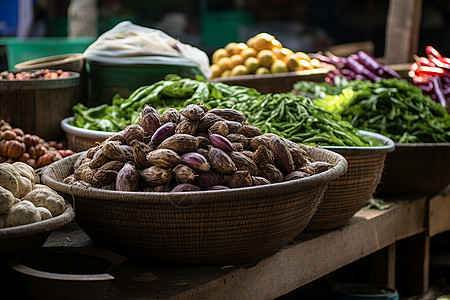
(14, 240)
(208, 227)
(346, 195)
(421, 169)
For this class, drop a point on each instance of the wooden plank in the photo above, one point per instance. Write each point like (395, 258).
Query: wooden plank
(439, 220)
(310, 256)
(275, 83)
(383, 266)
(402, 31)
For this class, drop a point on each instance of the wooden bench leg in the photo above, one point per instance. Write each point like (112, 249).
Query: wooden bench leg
(383, 266)
(418, 264)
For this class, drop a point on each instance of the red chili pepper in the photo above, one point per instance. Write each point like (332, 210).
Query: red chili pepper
(446, 60)
(413, 67)
(441, 64)
(433, 71)
(417, 79)
(423, 61)
(433, 52)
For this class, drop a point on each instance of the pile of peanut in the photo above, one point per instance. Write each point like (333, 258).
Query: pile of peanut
(15, 145)
(192, 149)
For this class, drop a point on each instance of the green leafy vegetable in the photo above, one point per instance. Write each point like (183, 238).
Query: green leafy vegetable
(394, 108)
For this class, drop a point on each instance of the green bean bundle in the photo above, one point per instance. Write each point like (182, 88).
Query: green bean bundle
(296, 118)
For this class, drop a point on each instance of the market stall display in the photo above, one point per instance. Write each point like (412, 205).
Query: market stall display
(259, 207)
(431, 74)
(400, 111)
(261, 54)
(37, 105)
(264, 64)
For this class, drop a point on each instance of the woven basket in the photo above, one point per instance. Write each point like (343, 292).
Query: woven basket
(17, 239)
(416, 169)
(208, 227)
(79, 139)
(346, 195)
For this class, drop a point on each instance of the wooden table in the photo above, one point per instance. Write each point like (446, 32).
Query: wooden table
(310, 256)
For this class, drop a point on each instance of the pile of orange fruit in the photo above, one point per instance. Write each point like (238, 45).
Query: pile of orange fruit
(261, 54)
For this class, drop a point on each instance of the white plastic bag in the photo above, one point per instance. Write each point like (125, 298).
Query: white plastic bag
(128, 43)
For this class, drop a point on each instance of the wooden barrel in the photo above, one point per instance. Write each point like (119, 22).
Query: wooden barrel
(37, 106)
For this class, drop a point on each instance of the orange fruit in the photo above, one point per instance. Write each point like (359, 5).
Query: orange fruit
(292, 62)
(262, 70)
(266, 58)
(263, 41)
(215, 70)
(249, 52)
(303, 55)
(236, 59)
(315, 63)
(279, 66)
(232, 48)
(218, 54)
(305, 65)
(225, 73)
(252, 63)
(239, 70)
(224, 63)
(276, 44)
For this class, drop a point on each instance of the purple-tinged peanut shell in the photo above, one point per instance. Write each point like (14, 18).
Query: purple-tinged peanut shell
(128, 178)
(239, 179)
(150, 120)
(296, 175)
(170, 115)
(220, 142)
(154, 175)
(229, 114)
(185, 187)
(196, 161)
(233, 126)
(281, 153)
(217, 188)
(249, 130)
(258, 180)
(163, 158)
(244, 163)
(193, 112)
(133, 132)
(184, 174)
(220, 127)
(180, 143)
(140, 151)
(271, 173)
(220, 161)
(207, 179)
(320, 166)
(162, 133)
